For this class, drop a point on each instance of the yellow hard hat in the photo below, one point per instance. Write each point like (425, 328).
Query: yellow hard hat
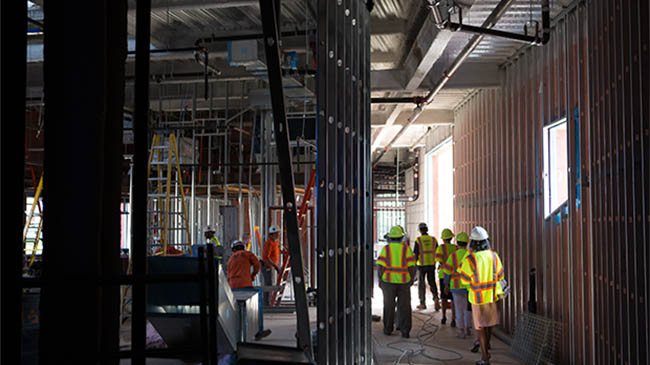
(403, 230)
(447, 234)
(462, 237)
(396, 232)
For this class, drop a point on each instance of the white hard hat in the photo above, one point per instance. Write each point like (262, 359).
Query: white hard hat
(274, 229)
(236, 243)
(208, 229)
(478, 234)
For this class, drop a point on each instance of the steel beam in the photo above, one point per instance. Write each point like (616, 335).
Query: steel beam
(344, 252)
(270, 14)
(140, 162)
(116, 37)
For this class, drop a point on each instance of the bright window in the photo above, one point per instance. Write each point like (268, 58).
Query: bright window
(556, 186)
(389, 213)
(439, 188)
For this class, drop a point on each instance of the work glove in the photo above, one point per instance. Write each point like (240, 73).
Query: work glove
(447, 289)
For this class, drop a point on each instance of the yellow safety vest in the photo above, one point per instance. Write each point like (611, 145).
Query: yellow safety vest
(427, 248)
(216, 243)
(453, 265)
(482, 271)
(396, 258)
(442, 254)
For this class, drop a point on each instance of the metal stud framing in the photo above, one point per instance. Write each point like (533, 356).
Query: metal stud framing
(591, 259)
(270, 11)
(344, 186)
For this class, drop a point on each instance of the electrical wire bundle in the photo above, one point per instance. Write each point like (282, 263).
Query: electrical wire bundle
(424, 337)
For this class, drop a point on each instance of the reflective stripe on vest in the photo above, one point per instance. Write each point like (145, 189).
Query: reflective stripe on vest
(402, 270)
(455, 276)
(477, 288)
(426, 250)
(474, 280)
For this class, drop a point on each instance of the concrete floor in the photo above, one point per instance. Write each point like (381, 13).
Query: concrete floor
(436, 342)
(430, 342)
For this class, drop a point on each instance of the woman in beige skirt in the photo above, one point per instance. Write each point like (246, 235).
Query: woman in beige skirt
(482, 269)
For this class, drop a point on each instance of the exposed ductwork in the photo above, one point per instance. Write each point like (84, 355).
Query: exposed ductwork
(446, 23)
(416, 178)
(490, 22)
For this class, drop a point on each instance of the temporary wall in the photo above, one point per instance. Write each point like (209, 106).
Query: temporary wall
(591, 257)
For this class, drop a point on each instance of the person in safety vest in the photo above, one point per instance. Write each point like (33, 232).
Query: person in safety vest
(210, 238)
(425, 249)
(442, 255)
(243, 266)
(405, 239)
(482, 270)
(271, 259)
(458, 289)
(396, 264)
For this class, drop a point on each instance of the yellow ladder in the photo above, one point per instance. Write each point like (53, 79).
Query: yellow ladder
(164, 161)
(37, 239)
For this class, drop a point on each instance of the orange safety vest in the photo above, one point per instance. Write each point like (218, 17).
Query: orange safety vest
(396, 258)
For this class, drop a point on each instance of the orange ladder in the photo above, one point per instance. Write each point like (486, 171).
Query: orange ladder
(283, 275)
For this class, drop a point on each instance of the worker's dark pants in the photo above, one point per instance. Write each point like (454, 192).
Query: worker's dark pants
(267, 274)
(428, 272)
(402, 294)
(260, 317)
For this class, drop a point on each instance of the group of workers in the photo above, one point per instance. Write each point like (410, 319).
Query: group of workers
(470, 274)
(242, 266)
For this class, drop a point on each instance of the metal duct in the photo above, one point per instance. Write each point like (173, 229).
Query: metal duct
(491, 21)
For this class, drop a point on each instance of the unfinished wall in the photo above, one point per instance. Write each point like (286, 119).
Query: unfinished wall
(592, 257)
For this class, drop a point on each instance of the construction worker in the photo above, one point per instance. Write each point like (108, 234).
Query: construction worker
(453, 284)
(270, 259)
(482, 270)
(406, 237)
(442, 255)
(396, 264)
(240, 277)
(211, 238)
(425, 248)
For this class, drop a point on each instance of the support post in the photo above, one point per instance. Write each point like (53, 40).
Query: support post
(270, 13)
(213, 300)
(140, 161)
(13, 30)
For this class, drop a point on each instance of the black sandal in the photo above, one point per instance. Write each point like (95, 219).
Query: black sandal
(476, 347)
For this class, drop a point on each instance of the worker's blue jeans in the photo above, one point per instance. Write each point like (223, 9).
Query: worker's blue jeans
(260, 303)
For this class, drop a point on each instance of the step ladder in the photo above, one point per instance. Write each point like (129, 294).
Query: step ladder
(29, 225)
(283, 275)
(167, 217)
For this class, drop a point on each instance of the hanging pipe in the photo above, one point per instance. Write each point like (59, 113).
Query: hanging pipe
(491, 21)
(442, 23)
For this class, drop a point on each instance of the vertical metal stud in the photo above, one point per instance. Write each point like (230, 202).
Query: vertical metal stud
(270, 15)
